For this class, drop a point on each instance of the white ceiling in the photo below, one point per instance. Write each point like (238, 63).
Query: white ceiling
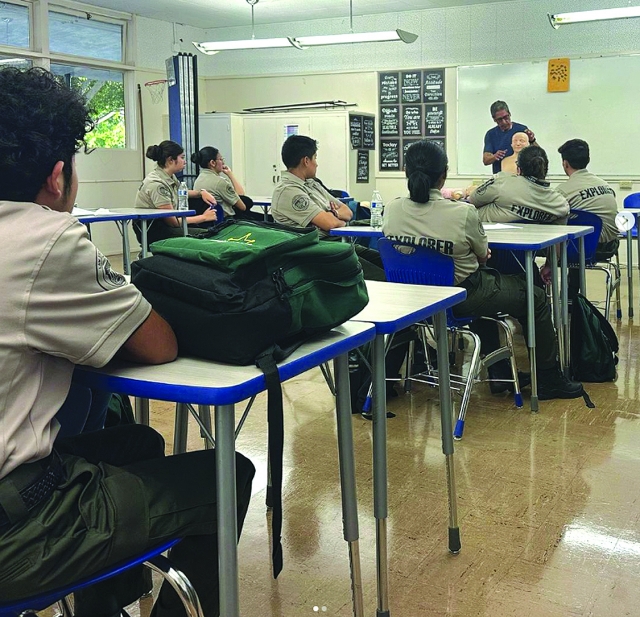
(226, 13)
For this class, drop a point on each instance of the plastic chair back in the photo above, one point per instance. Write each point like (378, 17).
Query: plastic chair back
(199, 205)
(418, 265)
(581, 217)
(632, 201)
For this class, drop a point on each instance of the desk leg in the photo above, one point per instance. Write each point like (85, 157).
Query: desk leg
(348, 479)
(583, 268)
(265, 212)
(446, 414)
(531, 329)
(143, 235)
(126, 250)
(180, 429)
(88, 226)
(226, 507)
(185, 230)
(142, 410)
(380, 481)
(557, 308)
(630, 267)
(564, 290)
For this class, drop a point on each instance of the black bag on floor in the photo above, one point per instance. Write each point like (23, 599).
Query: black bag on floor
(251, 293)
(594, 344)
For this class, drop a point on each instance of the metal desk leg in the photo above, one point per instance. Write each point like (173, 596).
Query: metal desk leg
(446, 411)
(226, 507)
(143, 235)
(564, 292)
(380, 481)
(88, 226)
(557, 308)
(126, 249)
(204, 413)
(630, 267)
(180, 429)
(185, 230)
(583, 271)
(348, 479)
(142, 410)
(531, 329)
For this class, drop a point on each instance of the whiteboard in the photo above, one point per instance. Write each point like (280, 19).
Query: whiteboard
(602, 107)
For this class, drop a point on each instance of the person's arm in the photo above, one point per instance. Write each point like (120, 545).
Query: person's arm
(154, 342)
(327, 221)
(208, 216)
(342, 211)
(489, 157)
(532, 137)
(476, 236)
(207, 197)
(484, 194)
(236, 184)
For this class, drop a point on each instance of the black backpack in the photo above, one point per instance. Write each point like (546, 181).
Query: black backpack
(594, 344)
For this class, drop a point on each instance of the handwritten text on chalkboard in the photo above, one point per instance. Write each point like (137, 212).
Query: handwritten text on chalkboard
(389, 88)
(433, 86)
(412, 120)
(355, 131)
(435, 120)
(411, 87)
(362, 170)
(369, 132)
(389, 120)
(390, 155)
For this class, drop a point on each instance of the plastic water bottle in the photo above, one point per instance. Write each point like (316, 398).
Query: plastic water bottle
(377, 208)
(183, 197)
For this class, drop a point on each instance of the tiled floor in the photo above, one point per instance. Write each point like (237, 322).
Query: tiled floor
(549, 505)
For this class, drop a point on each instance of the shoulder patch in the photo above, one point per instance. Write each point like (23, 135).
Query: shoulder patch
(300, 203)
(106, 277)
(164, 191)
(481, 230)
(482, 189)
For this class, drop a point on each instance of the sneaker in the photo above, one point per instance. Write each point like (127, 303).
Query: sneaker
(553, 384)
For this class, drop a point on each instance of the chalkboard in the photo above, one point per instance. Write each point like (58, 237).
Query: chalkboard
(389, 88)
(412, 120)
(435, 120)
(601, 107)
(389, 121)
(362, 170)
(369, 132)
(389, 155)
(411, 87)
(433, 91)
(405, 144)
(355, 131)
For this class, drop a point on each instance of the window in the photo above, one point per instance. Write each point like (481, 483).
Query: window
(21, 63)
(14, 25)
(104, 91)
(82, 34)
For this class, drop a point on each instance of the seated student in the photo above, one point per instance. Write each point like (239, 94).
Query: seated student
(585, 191)
(519, 141)
(505, 198)
(425, 218)
(71, 507)
(300, 201)
(218, 179)
(160, 190)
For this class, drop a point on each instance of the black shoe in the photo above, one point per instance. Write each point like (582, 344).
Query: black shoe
(502, 370)
(553, 384)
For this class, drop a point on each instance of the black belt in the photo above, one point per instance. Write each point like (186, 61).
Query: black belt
(27, 486)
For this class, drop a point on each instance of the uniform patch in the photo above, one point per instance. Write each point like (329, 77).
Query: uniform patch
(106, 277)
(164, 191)
(230, 191)
(481, 229)
(482, 189)
(301, 203)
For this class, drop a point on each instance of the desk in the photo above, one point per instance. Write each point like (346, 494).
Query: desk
(203, 382)
(265, 204)
(635, 212)
(123, 216)
(392, 307)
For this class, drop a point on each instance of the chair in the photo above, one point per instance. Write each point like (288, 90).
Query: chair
(153, 559)
(407, 263)
(632, 201)
(582, 217)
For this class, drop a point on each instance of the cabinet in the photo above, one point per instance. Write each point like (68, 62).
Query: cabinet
(225, 132)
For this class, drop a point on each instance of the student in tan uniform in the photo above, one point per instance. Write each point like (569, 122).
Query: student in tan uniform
(71, 507)
(160, 190)
(427, 219)
(218, 179)
(300, 200)
(505, 198)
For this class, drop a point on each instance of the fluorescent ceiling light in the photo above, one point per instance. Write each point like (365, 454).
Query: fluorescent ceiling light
(214, 47)
(573, 18)
(357, 37)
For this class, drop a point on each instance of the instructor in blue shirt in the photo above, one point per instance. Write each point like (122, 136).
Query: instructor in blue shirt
(497, 141)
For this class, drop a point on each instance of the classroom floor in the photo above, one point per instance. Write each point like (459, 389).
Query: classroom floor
(549, 504)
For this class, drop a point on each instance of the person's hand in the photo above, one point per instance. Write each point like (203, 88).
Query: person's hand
(531, 136)
(484, 260)
(334, 208)
(210, 215)
(208, 198)
(226, 169)
(545, 274)
(500, 154)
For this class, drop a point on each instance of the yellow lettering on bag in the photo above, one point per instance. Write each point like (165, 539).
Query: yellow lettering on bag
(247, 239)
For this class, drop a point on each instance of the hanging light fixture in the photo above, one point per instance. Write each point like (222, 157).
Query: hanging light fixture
(560, 19)
(302, 42)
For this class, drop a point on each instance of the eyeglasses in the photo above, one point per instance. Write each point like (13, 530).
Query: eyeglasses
(220, 158)
(504, 118)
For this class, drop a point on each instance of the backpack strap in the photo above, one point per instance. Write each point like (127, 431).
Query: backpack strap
(275, 415)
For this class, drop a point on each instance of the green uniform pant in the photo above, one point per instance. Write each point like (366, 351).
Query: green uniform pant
(120, 496)
(489, 292)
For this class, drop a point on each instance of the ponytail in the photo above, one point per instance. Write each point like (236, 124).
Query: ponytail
(425, 165)
(533, 162)
(419, 186)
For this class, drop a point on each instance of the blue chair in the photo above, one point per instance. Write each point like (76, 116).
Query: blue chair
(632, 201)
(612, 282)
(153, 559)
(407, 263)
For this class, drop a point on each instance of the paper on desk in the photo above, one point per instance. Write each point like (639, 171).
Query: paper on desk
(500, 226)
(102, 211)
(80, 211)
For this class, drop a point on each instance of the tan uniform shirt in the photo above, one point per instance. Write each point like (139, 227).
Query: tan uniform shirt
(158, 189)
(220, 186)
(584, 191)
(506, 198)
(450, 227)
(61, 305)
(297, 202)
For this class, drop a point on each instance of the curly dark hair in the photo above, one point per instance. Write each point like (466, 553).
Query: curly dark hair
(42, 122)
